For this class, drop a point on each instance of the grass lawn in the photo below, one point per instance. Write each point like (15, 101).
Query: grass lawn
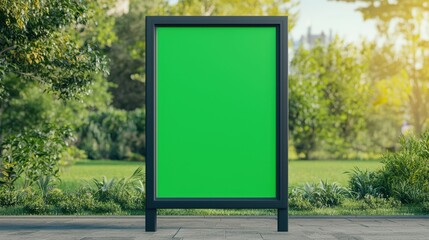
(304, 171)
(300, 172)
(82, 172)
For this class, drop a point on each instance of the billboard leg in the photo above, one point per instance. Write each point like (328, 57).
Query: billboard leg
(282, 220)
(150, 220)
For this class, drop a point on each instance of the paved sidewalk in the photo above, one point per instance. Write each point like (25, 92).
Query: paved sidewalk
(124, 228)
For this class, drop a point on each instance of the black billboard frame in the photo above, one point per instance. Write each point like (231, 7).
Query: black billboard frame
(281, 201)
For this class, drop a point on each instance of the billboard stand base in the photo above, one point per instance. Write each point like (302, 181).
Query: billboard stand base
(150, 220)
(282, 220)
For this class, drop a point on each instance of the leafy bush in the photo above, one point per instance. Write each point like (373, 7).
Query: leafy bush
(407, 192)
(105, 189)
(363, 183)
(127, 192)
(44, 184)
(70, 205)
(55, 196)
(114, 134)
(82, 200)
(32, 153)
(107, 207)
(405, 173)
(425, 207)
(298, 202)
(331, 194)
(8, 197)
(369, 201)
(323, 194)
(35, 206)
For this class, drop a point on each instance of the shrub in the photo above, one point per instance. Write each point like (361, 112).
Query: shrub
(425, 207)
(8, 197)
(127, 192)
(27, 194)
(322, 195)
(55, 196)
(107, 207)
(331, 194)
(35, 206)
(405, 173)
(82, 200)
(407, 192)
(298, 202)
(70, 205)
(114, 134)
(369, 201)
(363, 183)
(105, 189)
(32, 153)
(45, 185)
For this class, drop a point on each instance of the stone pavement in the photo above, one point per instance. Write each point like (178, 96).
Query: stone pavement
(172, 227)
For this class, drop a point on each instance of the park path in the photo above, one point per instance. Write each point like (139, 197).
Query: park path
(172, 227)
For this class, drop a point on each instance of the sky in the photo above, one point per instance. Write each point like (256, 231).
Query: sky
(323, 15)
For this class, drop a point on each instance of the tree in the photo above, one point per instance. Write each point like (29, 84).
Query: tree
(127, 55)
(389, 96)
(328, 99)
(403, 22)
(36, 45)
(47, 66)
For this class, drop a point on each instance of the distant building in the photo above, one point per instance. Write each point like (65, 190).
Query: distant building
(310, 40)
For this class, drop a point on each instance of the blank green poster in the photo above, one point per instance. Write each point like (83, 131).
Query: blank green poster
(215, 112)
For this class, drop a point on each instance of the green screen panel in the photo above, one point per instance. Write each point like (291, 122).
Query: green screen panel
(215, 112)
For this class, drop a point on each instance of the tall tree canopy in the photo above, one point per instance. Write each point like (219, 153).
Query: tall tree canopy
(36, 45)
(403, 24)
(328, 98)
(48, 54)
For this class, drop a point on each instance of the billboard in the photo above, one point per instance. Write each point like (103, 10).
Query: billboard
(216, 114)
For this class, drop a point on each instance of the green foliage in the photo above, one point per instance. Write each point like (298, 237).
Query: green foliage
(70, 155)
(114, 134)
(105, 189)
(70, 206)
(55, 196)
(319, 195)
(107, 207)
(47, 55)
(30, 107)
(389, 94)
(405, 20)
(372, 202)
(425, 207)
(35, 206)
(127, 192)
(33, 153)
(44, 184)
(298, 202)
(104, 196)
(77, 202)
(364, 183)
(8, 197)
(405, 173)
(36, 44)
(328, 99)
